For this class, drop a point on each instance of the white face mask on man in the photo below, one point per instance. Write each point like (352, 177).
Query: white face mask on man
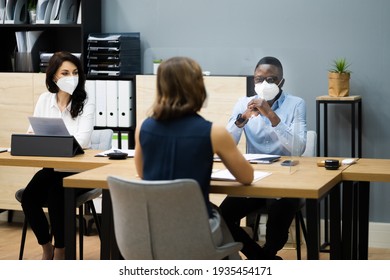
(68, 84)
(267, 91)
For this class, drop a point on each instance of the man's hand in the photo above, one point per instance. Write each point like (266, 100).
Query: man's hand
(260, 106)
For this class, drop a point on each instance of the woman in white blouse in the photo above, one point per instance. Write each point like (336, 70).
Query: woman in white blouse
(67, 99)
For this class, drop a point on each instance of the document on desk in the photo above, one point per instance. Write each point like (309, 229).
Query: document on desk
(261, 158)
(225, 175)
(257, 158)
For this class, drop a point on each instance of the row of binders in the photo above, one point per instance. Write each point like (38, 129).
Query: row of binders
(47, 11)
(29, 56)
(113, 100)
(28, 45)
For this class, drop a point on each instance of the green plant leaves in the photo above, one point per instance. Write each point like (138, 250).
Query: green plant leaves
(340, 65)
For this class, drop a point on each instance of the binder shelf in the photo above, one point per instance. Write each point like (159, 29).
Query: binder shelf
(59, 25)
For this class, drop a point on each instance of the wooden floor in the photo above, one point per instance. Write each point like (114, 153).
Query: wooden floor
(10, 234)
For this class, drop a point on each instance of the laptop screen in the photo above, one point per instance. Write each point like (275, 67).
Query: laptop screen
(48, 126)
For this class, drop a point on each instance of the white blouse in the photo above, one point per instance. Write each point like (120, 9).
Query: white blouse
(81, 127)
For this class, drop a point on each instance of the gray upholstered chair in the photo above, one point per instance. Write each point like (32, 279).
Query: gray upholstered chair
(163, 220)
(100, 140)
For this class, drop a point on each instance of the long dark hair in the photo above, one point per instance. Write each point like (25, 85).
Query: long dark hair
(79, 95)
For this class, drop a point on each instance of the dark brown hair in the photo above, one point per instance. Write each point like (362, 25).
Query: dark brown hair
(79, 95)
(180, 88)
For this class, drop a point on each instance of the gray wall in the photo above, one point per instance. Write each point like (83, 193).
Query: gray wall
(228, 37)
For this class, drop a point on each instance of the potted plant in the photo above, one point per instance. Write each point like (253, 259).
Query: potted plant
(156, 64)
(338, 78)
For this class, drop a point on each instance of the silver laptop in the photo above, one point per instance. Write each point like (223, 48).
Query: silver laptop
(48, 126)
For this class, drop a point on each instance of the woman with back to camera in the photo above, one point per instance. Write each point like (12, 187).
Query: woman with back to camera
(175, 142)
(67, 99)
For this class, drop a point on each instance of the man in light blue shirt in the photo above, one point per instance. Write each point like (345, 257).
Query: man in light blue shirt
(272, 127)
(274, 122)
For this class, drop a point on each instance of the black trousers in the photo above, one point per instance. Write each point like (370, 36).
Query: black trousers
(46, 189)
(281, 212)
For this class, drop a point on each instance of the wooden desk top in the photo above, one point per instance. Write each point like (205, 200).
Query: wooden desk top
(97, 178)
(370, 170)
(83, 162)
(306, 180)
(334, 98)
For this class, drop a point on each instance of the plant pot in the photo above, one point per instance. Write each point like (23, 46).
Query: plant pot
(338, 84)
(33, 16)
(156, 64)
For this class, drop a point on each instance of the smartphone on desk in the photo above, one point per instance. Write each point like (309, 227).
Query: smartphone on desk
(265, 160)
(289, 162)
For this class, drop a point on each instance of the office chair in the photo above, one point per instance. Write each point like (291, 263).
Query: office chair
(310, 151)
(100, 140)
(163, 220)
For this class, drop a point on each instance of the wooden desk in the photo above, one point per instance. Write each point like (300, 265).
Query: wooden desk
(80, 162)
(307, 181)
(364, 171)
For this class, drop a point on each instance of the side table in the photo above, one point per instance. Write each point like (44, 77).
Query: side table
(350, 193)
(354, 101)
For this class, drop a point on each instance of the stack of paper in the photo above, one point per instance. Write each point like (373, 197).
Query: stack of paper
(257, 158)
(225, 175)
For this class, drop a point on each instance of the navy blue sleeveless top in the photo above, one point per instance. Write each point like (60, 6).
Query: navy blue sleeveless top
(178, 149)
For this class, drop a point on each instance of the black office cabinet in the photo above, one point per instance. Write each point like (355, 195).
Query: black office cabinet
(70, 37)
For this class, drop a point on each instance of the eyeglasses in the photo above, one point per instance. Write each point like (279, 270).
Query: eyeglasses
(270, 79)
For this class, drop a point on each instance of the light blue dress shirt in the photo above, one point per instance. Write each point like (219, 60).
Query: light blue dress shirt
(287, 138)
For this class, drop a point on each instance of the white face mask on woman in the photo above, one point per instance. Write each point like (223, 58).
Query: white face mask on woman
(267, 91)
(68, 84)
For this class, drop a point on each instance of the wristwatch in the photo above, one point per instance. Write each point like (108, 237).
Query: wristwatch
(240, 121)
